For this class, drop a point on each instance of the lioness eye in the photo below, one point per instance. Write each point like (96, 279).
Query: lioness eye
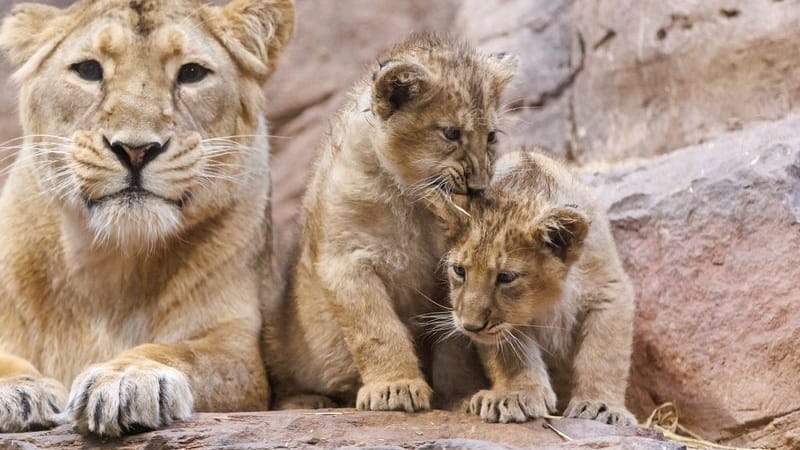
(89, 70)
(451, 133)
(459, 270)
(492, 137)
(506, 277)
(192, 73)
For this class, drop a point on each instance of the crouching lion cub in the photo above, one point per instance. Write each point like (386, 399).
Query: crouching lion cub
(537, 284)
(136, 215)
(424, 122)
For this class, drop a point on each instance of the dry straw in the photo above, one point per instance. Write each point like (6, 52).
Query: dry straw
(665, 420)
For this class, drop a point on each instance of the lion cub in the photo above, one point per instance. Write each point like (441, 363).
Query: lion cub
(424, 122)
(537, 284)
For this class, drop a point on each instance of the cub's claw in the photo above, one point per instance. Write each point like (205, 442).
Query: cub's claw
(599, 411)
(400, 395)
(512, 406)
(109, 402)
(30, 403)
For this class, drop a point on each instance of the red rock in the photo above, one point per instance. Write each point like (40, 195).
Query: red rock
(710, 236)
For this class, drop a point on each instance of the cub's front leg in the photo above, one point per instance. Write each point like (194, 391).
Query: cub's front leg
(521, 388)
(379, 342)
(28, 401)
(151, 385)
(602, 362)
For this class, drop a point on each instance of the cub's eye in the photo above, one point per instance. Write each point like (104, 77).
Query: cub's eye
(491, 137)
(506, 277)
(459, 271)
(192, 73)
(89, 70)
(451, 133)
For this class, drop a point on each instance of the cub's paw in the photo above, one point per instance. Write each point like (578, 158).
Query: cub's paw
(400, 395)
(305, 401)
(110, 401)
(30, 403)
(513, 406)
(599, 411)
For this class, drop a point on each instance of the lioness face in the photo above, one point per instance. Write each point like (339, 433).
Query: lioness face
(140, 117)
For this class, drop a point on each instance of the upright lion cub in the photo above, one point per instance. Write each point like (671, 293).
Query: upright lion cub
(424, 122)
(537, 284)
(135, 217)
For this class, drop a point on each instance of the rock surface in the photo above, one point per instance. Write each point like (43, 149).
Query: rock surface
(710, 235)
(344, 428)
(661, 75)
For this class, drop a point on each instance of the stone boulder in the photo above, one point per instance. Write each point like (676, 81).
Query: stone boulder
(436, 430)
(710, 236)
(662, 75)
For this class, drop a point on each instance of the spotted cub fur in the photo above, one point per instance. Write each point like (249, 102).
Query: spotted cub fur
(536, 283)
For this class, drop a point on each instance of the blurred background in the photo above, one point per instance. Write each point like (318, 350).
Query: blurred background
(685, 111)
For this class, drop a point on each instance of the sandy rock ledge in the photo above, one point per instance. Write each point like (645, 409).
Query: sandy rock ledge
(348, 428)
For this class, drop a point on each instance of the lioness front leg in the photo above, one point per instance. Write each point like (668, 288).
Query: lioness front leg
(28, 401)
(520, 391)
(151, 385)
(379, 343)
(601, 366)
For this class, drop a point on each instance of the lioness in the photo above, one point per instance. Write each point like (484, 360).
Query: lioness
(424, 122)
(137, 212)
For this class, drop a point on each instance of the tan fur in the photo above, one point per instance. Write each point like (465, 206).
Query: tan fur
(367, 265)
(542, 294)
(147, 301)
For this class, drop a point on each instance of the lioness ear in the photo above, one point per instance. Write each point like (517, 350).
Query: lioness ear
(25, 30)
(563, 231)
(504, 66)
(397, 84)
(256, 32)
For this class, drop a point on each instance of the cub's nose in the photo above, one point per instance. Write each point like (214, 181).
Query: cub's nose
(475, 327)
(477, 183)
(136, 156)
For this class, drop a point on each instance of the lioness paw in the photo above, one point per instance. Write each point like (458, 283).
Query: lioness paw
(30, 403)
(599, 411)
(109, 402)
(400, 395)
(513, 406)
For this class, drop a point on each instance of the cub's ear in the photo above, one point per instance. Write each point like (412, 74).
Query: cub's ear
(26, 30)
(256, 32)
(563, 231)
(397, 84)
(452, 212)
(504, 66)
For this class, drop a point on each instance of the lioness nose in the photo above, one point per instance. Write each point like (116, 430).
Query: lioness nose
(136, 156)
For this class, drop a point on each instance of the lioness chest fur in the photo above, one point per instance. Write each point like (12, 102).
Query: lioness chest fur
(136, 216)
